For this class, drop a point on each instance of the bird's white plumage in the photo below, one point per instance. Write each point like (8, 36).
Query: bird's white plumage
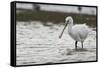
(78, 32)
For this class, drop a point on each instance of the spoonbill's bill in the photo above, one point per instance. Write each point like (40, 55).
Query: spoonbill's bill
(78, 32)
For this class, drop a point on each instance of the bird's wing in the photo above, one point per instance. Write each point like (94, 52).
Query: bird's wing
(82, 30)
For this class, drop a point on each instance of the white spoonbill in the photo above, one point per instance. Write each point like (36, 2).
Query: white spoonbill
(78, 32)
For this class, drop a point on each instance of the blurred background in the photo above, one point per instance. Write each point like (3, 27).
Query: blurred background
(55, 13)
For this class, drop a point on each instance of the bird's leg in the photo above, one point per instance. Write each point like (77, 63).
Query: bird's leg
(82, 44)
(76, 45)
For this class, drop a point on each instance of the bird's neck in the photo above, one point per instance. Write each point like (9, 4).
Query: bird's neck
(70, 27)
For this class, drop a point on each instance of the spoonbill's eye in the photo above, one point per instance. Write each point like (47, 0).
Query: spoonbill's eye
(68, 21)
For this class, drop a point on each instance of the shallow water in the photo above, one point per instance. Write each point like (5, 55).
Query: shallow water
(39, 44)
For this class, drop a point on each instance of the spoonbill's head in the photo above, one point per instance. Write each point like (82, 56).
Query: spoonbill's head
(69, 20)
